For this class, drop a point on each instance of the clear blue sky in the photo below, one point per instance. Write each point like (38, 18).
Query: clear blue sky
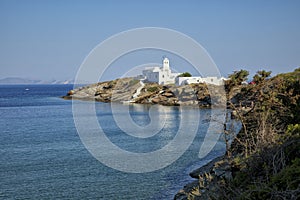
(49, 39)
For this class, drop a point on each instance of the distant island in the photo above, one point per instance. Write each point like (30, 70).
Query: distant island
(23, 81)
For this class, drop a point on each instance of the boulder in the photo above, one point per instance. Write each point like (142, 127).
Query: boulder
(155, 100)
(188, 90)
(71, 92)
(168, 94)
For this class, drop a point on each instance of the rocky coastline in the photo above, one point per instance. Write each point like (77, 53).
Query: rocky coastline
(125, 89)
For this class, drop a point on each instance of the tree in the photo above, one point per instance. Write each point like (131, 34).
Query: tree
(238, 77)
(185, 74)
(261, 76)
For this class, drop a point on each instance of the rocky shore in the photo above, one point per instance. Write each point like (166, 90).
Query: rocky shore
(125, 90)
(203, 187)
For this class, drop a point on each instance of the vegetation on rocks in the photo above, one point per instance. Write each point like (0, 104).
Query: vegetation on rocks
(263, 162)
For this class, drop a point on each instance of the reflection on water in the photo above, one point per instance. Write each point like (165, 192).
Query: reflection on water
(43, 157)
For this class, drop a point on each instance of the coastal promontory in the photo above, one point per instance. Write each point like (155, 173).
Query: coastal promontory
(131, 90)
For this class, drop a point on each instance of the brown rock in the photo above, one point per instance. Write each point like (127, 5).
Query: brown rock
(168, 94)
(155, 100)
(71, 92)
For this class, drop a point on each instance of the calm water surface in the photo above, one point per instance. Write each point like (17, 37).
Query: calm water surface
(42, 156)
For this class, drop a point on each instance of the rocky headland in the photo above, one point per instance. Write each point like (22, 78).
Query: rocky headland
(126, 90)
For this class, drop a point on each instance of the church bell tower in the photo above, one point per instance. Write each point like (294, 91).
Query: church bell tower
(166, 65)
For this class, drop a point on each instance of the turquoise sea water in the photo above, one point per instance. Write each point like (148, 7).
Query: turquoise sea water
(42, 156)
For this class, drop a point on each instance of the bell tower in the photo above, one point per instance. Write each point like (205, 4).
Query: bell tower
(166, 65)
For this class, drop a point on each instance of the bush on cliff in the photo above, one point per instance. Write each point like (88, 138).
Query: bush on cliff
(268, 146)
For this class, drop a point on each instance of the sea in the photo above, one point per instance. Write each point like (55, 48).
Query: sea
(42, 155)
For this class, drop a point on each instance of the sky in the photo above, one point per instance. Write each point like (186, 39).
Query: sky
(49, 39)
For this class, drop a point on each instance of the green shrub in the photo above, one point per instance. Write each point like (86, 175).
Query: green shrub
(288, 178)
(185, 74)
(293, 130)
(153, 89)
(133, 82)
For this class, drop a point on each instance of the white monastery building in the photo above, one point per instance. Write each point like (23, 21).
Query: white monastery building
(163, 75)
(198, 79)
